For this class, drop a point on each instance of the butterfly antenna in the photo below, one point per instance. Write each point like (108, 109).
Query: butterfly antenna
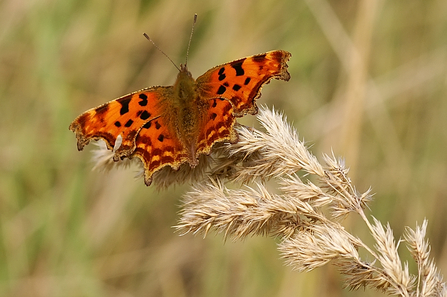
(148, 38)
(190, 37)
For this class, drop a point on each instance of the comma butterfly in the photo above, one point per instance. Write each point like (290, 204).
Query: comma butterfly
(173, 125)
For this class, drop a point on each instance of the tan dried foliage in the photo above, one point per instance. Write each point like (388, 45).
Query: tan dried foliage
(305, 214)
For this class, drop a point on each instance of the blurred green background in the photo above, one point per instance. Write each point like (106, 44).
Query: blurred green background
(369, 80)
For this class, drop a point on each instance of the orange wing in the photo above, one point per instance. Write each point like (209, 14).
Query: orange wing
(241, 81)
(218, 125)
(124, 116)
(157, 147)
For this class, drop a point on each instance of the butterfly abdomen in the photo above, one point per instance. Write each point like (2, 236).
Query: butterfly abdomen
(188, 120)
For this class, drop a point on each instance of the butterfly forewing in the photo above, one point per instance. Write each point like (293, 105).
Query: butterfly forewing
(241, 81)
(123, 116)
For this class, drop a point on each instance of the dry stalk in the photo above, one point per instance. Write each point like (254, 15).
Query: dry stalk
(306, 215)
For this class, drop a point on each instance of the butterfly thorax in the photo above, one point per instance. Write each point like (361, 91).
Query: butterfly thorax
(184, 87)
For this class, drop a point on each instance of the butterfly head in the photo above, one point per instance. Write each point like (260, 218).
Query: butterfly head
(184, 73)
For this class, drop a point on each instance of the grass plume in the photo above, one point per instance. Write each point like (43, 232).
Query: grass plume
(304, 211)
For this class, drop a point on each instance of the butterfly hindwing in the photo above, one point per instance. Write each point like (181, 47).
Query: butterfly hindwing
(241, 81)
(218, 126)
(157, 146)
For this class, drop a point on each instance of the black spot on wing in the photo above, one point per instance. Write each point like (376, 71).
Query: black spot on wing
(238, 67)
(128, 123)
(236, 87)
(221, 73)
(247, 81)
(145, 115)
(157, 125)
(143, 98)
(117, 124)
(124, 105)
(161, 137)
(221, 90)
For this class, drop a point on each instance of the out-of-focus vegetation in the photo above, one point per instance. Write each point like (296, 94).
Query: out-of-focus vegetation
(369, 80)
